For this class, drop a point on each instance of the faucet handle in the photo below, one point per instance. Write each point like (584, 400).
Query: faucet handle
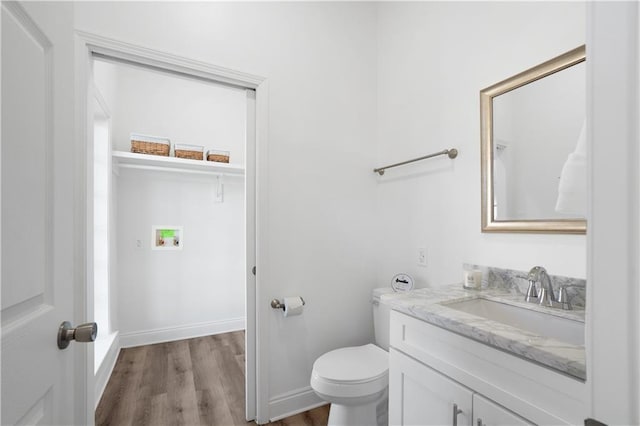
(532, 292)
(563, 298)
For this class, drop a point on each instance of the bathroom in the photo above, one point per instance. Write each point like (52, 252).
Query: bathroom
(352, 86)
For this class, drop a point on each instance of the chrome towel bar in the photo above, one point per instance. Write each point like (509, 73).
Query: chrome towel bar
(452, 153)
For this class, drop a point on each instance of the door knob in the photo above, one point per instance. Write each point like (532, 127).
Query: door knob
(82, 333)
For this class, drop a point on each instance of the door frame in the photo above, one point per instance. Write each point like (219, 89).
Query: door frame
(613, 228)
(256, 357)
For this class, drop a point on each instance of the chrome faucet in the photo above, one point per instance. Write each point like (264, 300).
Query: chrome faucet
(544, 296)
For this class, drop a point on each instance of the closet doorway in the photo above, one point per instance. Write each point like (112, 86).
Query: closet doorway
(174, 239)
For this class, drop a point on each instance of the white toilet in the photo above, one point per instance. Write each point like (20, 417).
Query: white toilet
(355, 379)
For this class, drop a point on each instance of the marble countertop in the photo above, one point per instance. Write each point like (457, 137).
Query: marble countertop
(430, 305)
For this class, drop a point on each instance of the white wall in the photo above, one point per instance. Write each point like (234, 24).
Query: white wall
(200, 289)
(320, 62)
(433, 59)
(172, 294)
(186, 111)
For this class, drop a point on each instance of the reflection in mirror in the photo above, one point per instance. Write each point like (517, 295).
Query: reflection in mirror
(534, 149)
(535, 128)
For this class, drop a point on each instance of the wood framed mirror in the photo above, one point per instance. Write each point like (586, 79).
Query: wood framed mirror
(533, 149)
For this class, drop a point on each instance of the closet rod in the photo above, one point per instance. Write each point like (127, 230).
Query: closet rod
(452, 153)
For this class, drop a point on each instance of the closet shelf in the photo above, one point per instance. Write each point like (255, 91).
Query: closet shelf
(123, 159)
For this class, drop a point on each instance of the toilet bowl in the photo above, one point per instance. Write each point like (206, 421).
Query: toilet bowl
(355, 379)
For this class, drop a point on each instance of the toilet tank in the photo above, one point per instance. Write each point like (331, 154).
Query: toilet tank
(381, 319)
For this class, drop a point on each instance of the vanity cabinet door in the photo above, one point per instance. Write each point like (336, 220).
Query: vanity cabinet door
(488, 413)
(418, 395)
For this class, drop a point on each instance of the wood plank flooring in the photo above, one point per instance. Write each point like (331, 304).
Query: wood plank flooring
(187, 382)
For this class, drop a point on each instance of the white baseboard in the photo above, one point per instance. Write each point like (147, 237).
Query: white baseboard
(294, 402)
(106, 368)
(160, 335)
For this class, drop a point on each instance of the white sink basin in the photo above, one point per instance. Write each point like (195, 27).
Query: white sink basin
(542, 324)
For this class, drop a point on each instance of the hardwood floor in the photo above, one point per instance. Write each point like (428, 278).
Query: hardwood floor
(188, 382)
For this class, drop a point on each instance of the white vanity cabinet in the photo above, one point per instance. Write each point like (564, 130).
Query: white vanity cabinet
(420, 395)
(431, 369)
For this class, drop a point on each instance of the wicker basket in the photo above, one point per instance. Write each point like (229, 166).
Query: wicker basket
(191, 155)
(218, 156)
(192, 152)
(143, 144)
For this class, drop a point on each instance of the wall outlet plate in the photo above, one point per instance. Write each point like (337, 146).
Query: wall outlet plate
(422, 256)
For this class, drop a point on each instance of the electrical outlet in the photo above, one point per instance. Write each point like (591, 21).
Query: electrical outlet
(422, 256)
(138, 244)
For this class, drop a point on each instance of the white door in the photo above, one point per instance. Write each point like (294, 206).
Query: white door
(40, 384)
(419, 395)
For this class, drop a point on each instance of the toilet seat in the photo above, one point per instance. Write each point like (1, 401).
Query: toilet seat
(351, 372)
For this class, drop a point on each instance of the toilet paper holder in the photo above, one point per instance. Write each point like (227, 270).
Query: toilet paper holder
(276, 304)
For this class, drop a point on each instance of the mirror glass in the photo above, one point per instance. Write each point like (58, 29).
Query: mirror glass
(534, 149)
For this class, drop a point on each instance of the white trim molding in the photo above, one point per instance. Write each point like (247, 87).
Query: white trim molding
(613, 227)
(294, 402)
(106, 367)
(263, 293)
(111, 48)
(170, 334)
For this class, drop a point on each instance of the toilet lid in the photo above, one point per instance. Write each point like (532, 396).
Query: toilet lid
(353, 364)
